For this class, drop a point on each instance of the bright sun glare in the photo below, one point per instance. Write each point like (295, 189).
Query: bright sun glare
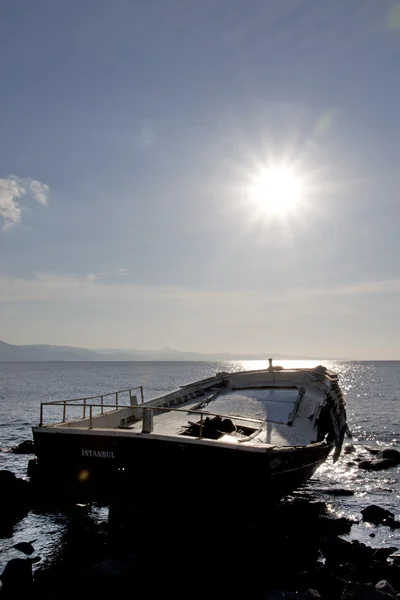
(277, 190)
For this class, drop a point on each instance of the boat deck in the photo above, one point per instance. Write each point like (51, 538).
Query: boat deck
(277, 417)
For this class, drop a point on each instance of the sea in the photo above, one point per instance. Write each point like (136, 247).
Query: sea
(372, 391)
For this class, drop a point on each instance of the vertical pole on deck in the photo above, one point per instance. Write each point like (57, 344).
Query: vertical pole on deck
(201, 426)
(116, 399)
(102, 403)
(84, 408)
(141, 393)
(41, 415)
(64, 411)
(90, 416)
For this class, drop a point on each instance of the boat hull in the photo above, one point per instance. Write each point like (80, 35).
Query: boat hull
(100, 465)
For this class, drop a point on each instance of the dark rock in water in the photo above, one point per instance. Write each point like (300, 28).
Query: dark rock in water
(351, 463)
(382, 554)
(390, 453)
(363, 591)
(25, 547)
(377, 465)
(337, 492)
(17, 577)
(26, 447)
(311, 595)
(372, 535)
(383, 459)
(14, 501)
(328, 526)
(385, 587)
(368, 465)
(384, 463)
(308, 509)
(372, 450)
(349, 449)
(376, 515)
(339, 552)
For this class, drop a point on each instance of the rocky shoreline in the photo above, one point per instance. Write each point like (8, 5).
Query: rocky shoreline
(292, 551)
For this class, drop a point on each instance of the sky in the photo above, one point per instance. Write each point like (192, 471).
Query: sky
(138, 142)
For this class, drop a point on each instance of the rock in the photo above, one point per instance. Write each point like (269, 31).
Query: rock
(372, 535)
(391, 454)
(384, 463)
(26, 447)
(311, 595)
(384, 459)
(349, 449)
(339, 552)
(385, 587)
(382, 554)
(363, 591)
(337, 492)
(17, 577)
(328, 526)
(14, 501)
(351, 463)
(376, 515)
(372, 449)
(25, 547)
(367, 465)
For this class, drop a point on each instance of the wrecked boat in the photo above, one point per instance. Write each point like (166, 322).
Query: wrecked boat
(260, 433)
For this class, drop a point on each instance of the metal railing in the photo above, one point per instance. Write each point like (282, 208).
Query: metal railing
(153, 409)
(84, 403)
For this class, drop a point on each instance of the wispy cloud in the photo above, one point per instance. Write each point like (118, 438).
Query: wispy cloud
(12, 189)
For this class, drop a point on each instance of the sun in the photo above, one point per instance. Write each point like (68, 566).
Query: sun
(277, 190)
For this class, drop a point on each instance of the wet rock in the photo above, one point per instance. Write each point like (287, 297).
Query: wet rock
(337, 492)
(17, 577)
(377, 465)
(382, 554)
(351, 463)
(311, 595)
(14, 501)
(376, 515)
(329, 527)
(383, 459)
(349, 449)
(366, 465)
(385, 587)
(25, 447)
(307, 509)
(338, 552)
(25, 547)
(389, 453)
(372, 449)
(363, 591)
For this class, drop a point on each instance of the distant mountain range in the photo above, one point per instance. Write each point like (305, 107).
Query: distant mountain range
(45, 352)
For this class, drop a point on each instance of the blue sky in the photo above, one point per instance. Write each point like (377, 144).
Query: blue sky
(131, 133)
